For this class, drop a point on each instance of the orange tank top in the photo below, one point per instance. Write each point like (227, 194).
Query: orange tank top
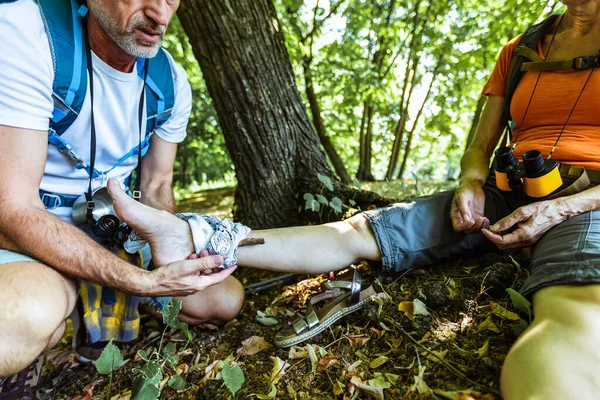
(552, 101)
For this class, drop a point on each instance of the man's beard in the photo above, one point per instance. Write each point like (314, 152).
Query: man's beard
(127, 39)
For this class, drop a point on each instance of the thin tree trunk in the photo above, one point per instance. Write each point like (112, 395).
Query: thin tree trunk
(366, 139)
(412, 130)
(475, 122)
(368, 176)
(399, 131)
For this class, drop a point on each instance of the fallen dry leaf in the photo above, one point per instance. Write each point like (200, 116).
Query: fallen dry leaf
(420, 386)
(377, 393)
(338, 388)
(497, 309)
(358, 341)
(378, 333)
(379, 361)
(407, 308)
(253, 345)
(297, 352)
(488, 325)
(440, 354)
(483, 351)
(326, 362)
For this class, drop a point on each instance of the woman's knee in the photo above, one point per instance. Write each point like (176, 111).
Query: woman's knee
(552, 357)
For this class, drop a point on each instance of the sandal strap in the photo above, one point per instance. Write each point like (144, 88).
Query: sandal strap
(325, 295)
(353, 287)
(299, 324)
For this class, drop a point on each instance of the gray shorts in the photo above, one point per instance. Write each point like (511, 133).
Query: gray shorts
(419, 233)
(7, 256)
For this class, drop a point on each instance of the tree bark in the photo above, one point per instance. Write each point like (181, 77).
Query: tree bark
(240, 48)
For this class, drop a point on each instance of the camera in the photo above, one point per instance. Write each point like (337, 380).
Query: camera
(106, 228)
(535, 176)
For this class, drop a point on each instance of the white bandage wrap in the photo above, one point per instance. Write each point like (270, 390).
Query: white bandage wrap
(225, 240)
(210, 233)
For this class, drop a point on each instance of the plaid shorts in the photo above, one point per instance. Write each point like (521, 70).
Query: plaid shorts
(419, 233)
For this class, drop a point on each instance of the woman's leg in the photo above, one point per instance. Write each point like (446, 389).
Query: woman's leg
(558, 356)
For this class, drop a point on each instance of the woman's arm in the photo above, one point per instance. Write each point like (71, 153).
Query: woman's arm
(469, 200)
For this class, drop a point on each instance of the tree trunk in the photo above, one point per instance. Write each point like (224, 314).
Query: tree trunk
(315, 110)
(475, 122)
(412, 60)
(414, 127)
(240, 48)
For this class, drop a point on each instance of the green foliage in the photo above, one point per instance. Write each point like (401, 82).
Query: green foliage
(233, 377)
(357, 53)
(520, 302)
(110, 360)
(159, 363)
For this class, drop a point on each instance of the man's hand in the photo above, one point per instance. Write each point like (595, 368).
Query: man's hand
(532, 220)
(183, 278)
(468, 207)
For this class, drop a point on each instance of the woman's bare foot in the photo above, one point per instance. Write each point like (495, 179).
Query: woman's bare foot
(170, 238)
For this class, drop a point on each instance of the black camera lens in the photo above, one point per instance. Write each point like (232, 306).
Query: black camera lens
(534, 164)
(105, 225)
(505, 158)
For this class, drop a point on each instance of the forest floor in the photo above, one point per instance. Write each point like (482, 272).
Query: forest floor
(441, 332)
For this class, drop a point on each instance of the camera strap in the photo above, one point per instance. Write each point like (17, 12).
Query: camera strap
(88, 195)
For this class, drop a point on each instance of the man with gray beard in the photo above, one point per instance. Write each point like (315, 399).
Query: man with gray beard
(46, 261)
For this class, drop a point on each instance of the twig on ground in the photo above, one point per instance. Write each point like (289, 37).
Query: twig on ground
(444, 362)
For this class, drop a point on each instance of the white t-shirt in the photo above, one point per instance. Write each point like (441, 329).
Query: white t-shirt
(26, 76)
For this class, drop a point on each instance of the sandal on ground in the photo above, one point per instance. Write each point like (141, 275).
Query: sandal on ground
(23, 385)
(316, 321)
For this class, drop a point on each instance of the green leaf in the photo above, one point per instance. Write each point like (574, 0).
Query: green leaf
(169, 349)
(352, 202)
(151, 372)
(326, 181)
(110, 360)
(177, 383)
(520, 302)
(144, 389)
(143, 355)
(170, 312)
(266, 321)
(336, 204)
(184, 329)
(356, 182)
(311, 204)
(233, 378)
(322, 199)
(516, 264)
(314, 361)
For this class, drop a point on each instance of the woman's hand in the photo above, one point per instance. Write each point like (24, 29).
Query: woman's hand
(468, 207)
(532, 220)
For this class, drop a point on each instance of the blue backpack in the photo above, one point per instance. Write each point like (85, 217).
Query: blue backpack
(64, 20)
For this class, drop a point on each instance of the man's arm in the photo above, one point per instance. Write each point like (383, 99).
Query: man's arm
(157, 175)
(26, 227)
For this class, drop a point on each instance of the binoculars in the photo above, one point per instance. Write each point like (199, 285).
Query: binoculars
(535, 176)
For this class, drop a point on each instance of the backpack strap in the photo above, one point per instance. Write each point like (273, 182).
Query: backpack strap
(160, 97)
(63, 20)
(577, 63)
(525, 51)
